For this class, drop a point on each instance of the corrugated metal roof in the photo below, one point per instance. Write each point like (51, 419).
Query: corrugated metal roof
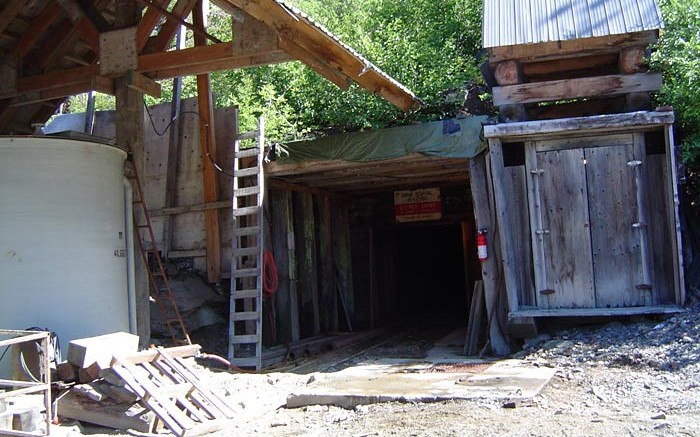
(513, 22)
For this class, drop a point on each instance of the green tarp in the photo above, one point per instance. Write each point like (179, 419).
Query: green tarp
(451, 138)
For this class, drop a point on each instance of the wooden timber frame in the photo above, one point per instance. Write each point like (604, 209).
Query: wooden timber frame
(53, 49)
(597, 239)
(10, 388)
(58, 48)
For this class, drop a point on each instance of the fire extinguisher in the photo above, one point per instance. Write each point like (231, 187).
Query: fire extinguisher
(481, 245)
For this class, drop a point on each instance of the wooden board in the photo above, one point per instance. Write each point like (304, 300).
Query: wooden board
(506, 224)
(282, 245)
(514, 182)
(612, 202)
(106, 413)
(660, 234)
(578, 126)
(304, 231)
(328, 293)
(575, 47)
(485, 220)
(568, 269)
(565, 89)
(340, 234)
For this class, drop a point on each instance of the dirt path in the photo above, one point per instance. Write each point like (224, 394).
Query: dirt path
(633, 379)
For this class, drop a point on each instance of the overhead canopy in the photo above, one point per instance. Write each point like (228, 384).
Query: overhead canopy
(402, 157)
(451, 138)
(56, 48)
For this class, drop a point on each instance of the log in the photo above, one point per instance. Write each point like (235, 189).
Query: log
(599, 86)
(632, 59)
(509, 73)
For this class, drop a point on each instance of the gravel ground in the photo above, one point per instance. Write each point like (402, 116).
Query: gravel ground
(639, 378)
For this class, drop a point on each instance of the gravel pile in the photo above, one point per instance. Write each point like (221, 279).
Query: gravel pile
(668, 345)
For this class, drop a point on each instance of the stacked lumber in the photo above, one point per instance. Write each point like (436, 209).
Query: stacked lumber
(142, 391)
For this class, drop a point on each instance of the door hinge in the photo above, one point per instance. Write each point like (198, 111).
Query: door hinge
(542, 232)
(537, 171)
(634, 163)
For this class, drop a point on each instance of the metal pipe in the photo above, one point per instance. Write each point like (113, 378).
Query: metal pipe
(130, 255)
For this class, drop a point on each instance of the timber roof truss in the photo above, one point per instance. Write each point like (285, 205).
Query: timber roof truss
(52, 49)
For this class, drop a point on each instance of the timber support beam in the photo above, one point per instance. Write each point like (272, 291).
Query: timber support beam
(207, 142)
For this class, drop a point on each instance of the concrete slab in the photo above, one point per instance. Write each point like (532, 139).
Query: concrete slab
(389, 380)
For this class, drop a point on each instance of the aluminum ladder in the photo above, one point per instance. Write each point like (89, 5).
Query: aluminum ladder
(245, 317)
(159, 286)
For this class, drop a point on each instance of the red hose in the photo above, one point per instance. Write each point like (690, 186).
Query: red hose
(270, 280)
(269, 273)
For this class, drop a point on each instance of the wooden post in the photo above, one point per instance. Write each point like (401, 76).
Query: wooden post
(371, 259)
(674, 218)
(505, 226)
(327, 288)
(174, 142)
(129, 127)
(304, 230)
(467, 247)
(207, 142)
(485, 220)
(340, 235)
(282, 245)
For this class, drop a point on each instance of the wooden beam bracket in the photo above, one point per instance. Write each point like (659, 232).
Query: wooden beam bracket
(143, 84)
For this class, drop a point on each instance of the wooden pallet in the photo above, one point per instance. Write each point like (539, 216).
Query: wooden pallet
(173, 391)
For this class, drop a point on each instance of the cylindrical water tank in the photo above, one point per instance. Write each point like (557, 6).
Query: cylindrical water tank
(62, 237)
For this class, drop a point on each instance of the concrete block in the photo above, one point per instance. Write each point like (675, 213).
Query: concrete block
(86, 351)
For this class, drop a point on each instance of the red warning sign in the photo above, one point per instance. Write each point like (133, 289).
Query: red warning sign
(417, 205)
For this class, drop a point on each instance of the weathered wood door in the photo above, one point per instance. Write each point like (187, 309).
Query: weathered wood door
(615, 231)
(585, 215)
(559, 217)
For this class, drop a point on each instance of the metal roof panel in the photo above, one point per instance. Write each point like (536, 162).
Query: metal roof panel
(514, 22)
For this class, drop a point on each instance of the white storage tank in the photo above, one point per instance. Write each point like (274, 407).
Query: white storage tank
(63, 262)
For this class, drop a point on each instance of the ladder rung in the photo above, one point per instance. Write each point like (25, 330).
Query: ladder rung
(246, 210)
(246, 153)
(251, 230)
(247, 315)
(243, 172)
(246, 294)
(246, 251)
(171, 320)
(247, 191)
(248, 135)
(243, 339)
(241, 273)
(245, 362)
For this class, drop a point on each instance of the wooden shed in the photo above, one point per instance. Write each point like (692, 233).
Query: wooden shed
(581, 170)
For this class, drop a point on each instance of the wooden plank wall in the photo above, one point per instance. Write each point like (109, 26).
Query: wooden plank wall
(311, 244)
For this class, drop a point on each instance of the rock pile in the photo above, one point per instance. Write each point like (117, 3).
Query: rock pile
(669, 345)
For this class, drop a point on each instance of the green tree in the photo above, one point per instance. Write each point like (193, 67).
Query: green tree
(428, 45)
(678, 57)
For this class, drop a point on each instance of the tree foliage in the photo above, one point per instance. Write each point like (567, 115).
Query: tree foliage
(678, 57)
(429, 46)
